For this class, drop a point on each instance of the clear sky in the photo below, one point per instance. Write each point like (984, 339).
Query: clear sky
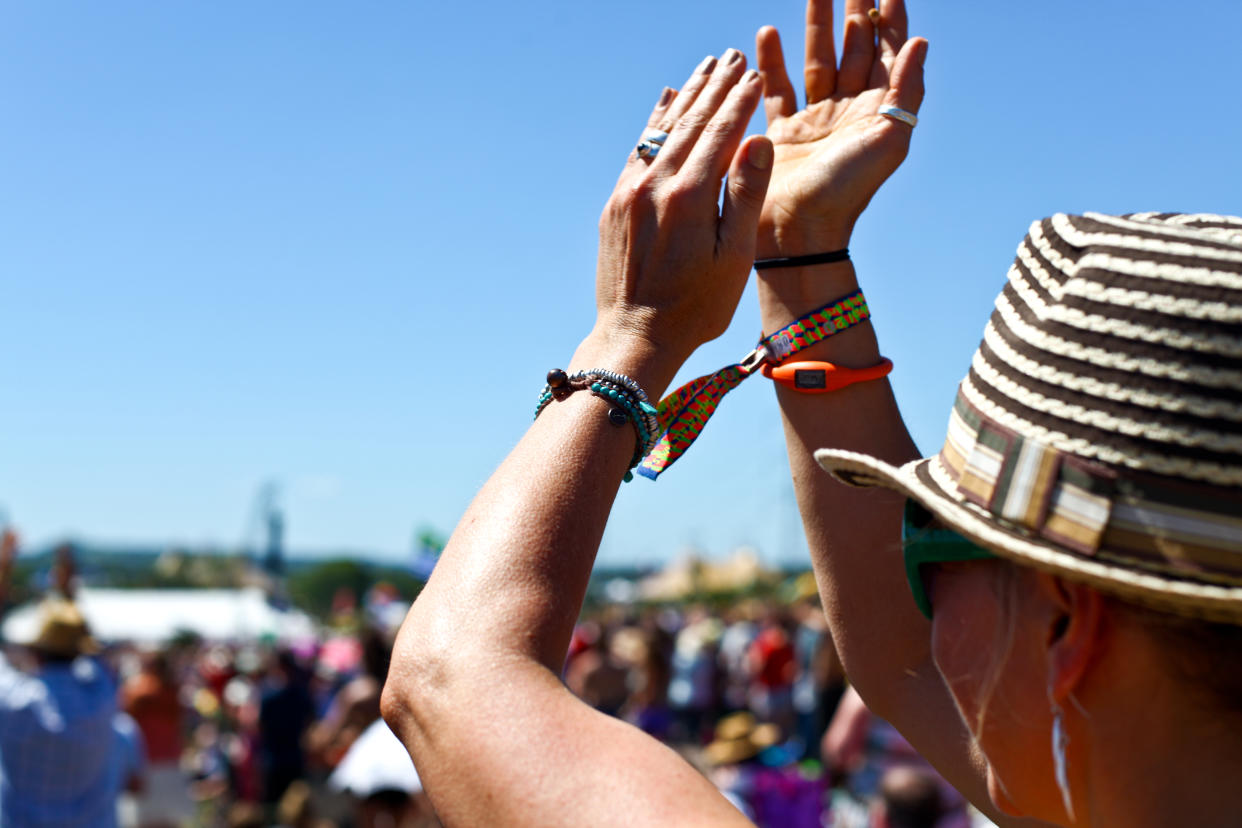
(338, 245)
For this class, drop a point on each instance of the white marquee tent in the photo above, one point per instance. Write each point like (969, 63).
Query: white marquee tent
(153, 616)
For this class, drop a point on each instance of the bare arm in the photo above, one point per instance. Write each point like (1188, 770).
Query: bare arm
(474, 692)
(831, 157)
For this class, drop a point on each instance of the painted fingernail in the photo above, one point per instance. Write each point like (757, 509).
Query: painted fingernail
(874, 14)
(732, 56)
(708, 64)
(665, 97)
(759, 154)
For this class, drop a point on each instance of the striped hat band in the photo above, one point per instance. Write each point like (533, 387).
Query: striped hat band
(1099, 429)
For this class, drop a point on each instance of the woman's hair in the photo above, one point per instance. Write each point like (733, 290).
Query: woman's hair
(1005, 586)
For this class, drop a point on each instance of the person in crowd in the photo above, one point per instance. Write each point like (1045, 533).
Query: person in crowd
(772, 665)
(354, 706)
(152, 698)
(285, 711)
(64, 757)
(860, 749)
(135, 767)
(909, 798)
(819, 681)
(596, 675)
(208, 769)
(384, 784)
(739, 634)
(694, 684)
(650, 656)
(1074, 552)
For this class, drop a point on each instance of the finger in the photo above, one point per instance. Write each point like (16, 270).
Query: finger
(718, 144)
(779, 98)
(820, 74)
(653, 125)
(666, 100)
(636, 164)
(906, 87)
(689, 92)
(893, 30)
(685, 134)
(749, 175)
(857, 49)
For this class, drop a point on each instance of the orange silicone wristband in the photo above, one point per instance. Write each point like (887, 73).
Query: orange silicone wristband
(822, 377)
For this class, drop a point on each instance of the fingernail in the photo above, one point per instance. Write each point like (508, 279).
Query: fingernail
(708, 64)
(759, 154)
(750, 77)
(923, 54)
(732, 56)
(665, 97)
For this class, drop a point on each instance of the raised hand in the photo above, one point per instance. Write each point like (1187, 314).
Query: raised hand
(8, 553)
(64, 571)
(834, 154)
(672, 265)
(8, 547)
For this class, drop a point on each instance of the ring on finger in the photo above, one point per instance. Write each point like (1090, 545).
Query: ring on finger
(908, 118)
(649, 146)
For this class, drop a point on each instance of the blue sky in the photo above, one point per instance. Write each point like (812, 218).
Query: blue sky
(338, 245)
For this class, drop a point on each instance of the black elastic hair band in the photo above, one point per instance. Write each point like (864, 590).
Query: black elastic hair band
(841, 255)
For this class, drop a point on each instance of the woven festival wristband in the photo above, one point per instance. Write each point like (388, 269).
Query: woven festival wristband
(684, 413)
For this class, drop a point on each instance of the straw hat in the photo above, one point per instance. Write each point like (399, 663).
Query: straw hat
(740, 737)
(1098, 434)
(63, 631)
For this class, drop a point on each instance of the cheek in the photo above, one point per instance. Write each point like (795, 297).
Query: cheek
(972, 646)
(964, 623)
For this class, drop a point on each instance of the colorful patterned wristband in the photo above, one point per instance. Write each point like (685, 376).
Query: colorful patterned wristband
(684, 413)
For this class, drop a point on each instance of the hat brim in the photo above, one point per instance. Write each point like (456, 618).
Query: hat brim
(928, 482)
(85, 646)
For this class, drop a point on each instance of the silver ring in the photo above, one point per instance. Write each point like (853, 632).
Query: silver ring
(649, 146)
(908, 118)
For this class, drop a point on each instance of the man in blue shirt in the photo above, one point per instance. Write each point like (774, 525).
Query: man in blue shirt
(63, 761)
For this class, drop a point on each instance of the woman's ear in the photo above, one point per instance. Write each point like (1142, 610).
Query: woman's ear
(1074, 631)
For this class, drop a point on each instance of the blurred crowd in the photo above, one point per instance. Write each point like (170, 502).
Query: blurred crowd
(753, 694)
(201, 733)
(254, 733)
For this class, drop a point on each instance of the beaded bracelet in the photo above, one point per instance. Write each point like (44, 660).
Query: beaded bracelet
(628, 402)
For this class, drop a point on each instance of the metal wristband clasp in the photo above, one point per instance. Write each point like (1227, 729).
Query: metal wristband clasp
(756, 359)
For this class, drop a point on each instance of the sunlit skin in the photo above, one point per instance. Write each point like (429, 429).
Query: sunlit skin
(995, 679)
(478, 660)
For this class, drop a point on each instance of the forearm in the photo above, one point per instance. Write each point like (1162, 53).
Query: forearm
(503, 599)
(853, 534)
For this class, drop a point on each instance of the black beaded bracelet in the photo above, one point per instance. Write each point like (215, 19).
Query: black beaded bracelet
(841, 255)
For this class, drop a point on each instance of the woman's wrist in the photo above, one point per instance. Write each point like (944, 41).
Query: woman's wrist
(794, 291)
(648, 363)
(788, 239)
(786, 294)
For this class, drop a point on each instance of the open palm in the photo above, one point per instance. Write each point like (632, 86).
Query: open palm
(833, 155)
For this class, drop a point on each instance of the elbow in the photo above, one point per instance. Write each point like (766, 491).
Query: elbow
(397, 709)
(418, 688)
